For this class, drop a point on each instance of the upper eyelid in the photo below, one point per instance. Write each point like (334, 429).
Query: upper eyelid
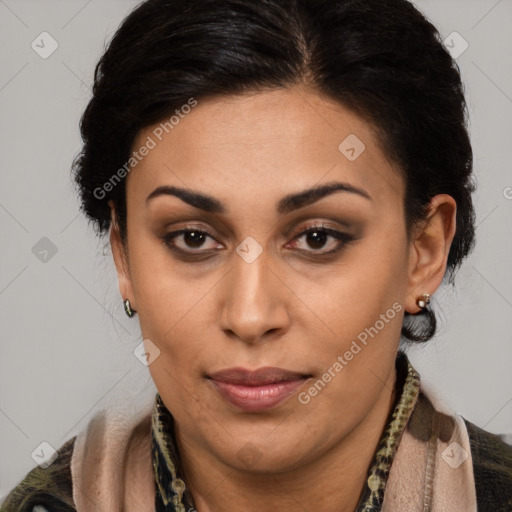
(310, 225)
(344, 221)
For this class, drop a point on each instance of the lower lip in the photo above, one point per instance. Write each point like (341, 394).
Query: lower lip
(257, 398)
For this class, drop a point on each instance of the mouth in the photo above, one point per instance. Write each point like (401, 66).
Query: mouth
(259, 390)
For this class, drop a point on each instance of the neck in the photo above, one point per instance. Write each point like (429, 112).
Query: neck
(334, 481)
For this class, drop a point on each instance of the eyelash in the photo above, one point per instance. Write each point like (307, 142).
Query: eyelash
(343, 238)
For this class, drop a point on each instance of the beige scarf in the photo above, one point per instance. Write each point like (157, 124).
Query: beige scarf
(434, 475)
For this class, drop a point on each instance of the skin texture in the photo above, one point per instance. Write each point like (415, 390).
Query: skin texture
(289, 307)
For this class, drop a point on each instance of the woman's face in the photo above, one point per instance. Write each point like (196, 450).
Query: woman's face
(245, 288)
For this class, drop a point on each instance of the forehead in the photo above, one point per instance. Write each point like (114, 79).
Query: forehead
(266, 142)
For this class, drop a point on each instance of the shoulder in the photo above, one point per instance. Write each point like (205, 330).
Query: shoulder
(492, 468)
(45, 489)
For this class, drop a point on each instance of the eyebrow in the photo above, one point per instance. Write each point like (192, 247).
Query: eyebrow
(285, 205)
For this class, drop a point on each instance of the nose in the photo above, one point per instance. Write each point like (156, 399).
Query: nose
(254, 301)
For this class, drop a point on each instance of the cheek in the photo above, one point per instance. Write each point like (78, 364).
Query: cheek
(163, 295)
(369, 280)
(354, 362)
(168, 314)
(361, 309)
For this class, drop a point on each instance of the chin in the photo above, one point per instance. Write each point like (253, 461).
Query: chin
(263, 455)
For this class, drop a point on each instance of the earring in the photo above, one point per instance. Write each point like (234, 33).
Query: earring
(128, 309)
(423, 300)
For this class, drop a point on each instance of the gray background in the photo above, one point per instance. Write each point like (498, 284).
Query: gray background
(67, 347)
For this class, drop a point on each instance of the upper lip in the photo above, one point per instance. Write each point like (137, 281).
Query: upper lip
(259, 377)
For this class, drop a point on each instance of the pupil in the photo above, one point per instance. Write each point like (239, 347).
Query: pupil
(317, 238)
(194, 238)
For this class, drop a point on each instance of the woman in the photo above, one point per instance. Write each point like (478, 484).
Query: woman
(285, 185)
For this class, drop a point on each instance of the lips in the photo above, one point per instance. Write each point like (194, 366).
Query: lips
(258, 390)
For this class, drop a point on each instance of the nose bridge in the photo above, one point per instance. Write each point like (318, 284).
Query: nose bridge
(249, 282)
(253, 302)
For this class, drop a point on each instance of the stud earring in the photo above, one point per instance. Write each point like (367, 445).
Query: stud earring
(423, 300)
(128, 309)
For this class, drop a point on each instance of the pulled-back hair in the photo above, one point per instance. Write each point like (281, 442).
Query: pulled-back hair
(380, 58)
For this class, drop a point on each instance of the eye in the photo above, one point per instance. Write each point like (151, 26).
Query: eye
(193, 241)
(320, 237)
(189, 240)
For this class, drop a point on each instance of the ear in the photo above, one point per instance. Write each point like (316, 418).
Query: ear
(430, 245)
(120, 259)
